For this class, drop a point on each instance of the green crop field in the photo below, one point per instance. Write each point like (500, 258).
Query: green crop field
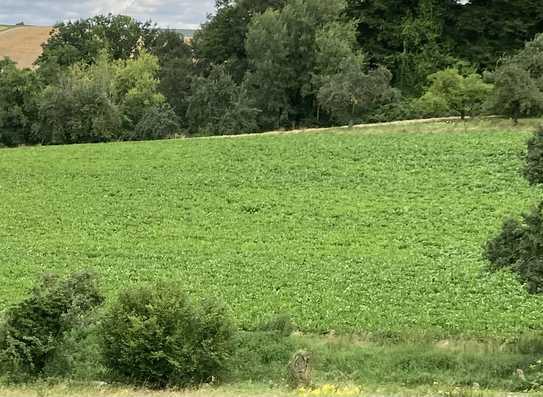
(354, 230)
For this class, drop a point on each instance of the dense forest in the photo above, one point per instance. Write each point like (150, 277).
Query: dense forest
(259, 65)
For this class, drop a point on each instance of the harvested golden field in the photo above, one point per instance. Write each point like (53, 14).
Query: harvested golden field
(23, 44)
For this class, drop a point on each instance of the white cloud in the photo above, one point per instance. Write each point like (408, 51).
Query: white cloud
(166, 13)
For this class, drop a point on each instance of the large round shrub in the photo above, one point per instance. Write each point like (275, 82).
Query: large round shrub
(155, 336)
(533, 169)
(519, 247)
(32, 331)
(156, 123)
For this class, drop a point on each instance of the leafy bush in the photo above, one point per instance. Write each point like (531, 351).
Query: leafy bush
(33, 330)
(519, 247)
(81, 107)
(399, 109)
(78, 356)
(261, 356)
(464, 95)
(532, 378)
(352, 91)
(281, 324)
(136, 87)
(219, 106)
(156, 123)
(516, 93)
(104, 101)
(154, 335)
(533, 169)
(504, 249)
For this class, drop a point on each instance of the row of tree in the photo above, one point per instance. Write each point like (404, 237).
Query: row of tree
(268, 64)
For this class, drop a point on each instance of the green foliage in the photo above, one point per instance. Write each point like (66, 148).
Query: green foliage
(398, 109)
(81, 107)
(33, 330)
(295, 51)
(271, 74)
(136, 87)
(221, 40)
(124, 39)
(533, 168)
(472, 30)
(519, 82)
(219, 106)
(260, 222)
(105, 101)
(519, 247)
(504, 250)
(156, 123)
(532, 377)
(82, 41)
(483, 31)
(408, 37)
(155, 336)
(423, 51)
(261, 356)
(176, 77)
(448, 363)
(177, 70)
(352, 91)
(19, 90)
(449, 90)
(78, 356)
(530, 58)
(281, 323)
(516, 94)
(343, 85)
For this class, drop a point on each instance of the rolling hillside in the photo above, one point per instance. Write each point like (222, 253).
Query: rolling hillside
(370, 230)
(23, 43)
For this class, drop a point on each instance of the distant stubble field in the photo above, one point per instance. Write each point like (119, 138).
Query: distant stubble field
(353, 231)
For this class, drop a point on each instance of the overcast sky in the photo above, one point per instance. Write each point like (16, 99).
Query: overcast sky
(167, 13)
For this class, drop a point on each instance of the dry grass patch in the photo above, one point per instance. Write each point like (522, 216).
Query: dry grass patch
(23, 44)
(97, 391)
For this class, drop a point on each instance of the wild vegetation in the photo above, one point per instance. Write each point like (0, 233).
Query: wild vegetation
(330, 261)
(274, 64)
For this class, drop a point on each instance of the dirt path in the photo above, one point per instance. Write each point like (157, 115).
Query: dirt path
(357, 126)
(23, 43)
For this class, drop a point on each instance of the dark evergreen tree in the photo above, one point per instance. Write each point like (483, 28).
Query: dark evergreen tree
(485, 30)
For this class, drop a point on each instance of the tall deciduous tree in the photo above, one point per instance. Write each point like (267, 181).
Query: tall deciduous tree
(81, 107)
(271, 73)
(177, 70)
(136, 87)
(287, 52)
(220, 106)
(19, 90)
(81, 41)
(344, 85)
(221, 40)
